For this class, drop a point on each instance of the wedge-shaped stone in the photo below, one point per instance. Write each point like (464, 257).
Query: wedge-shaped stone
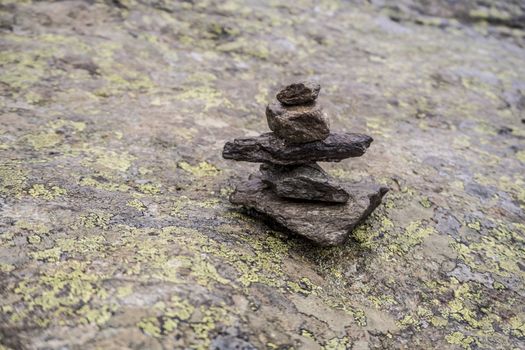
(298, 124)
(323, 223)
(299, 93)
(267, 148)
(308, 182)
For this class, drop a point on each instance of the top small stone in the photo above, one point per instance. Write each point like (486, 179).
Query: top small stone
(299, 93)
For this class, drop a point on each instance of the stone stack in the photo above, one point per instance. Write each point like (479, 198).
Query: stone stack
(292, 188)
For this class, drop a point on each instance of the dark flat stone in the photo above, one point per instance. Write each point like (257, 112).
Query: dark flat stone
(325, 224)
(308, 182)
(267, 148)
(299, 93)
(298, 124)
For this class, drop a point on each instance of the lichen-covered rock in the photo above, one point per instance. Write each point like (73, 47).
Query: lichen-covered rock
(298, 124)
(322, 223)
(307, 182)
(299, 93)
(267, 148)
(115, 226)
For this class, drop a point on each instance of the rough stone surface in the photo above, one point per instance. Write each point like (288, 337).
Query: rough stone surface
(320, 222)
(115, 225)
(269, 148)
(298, 124)
(299, 93)
(309, 182)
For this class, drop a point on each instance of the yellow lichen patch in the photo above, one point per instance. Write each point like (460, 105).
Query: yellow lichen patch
(205, 94)
(124, 291)
(150, 326)
(38, 228)
(85, 246)
(413, 235)
(517, 326)
(106, 186)
(93, 220)
(458, 338)
(23, 69)
(113, 160)
(475, 225)
(40, 191)
(382, 300)
(138, 205)
(367, 235)
(59, 123)
(12, 180)
(337, 344)
(211, 316)
(303, 286)
(494, 252)
(34, 239)
(200, 170)
(58, 291)
(245, 47)
(43, 140)
(521, 156)
(150, 188)
(425, 202)
(204, 271)
(6, 267)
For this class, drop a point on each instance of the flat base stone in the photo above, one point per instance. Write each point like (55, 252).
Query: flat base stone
(327, 224)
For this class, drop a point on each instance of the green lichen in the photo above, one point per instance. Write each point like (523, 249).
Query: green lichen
(34, 239)
(337, 344)
(43, 140)
(458, 338)
(66, 291)
(207, 95)
(200, 170)
(12, 180)
(412, 235)
(40, 191)
(113, 160)
(93, 220)
(6, 267)
(138, 205)
(150, 188)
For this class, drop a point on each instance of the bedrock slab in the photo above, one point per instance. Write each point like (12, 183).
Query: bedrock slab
(308, 182)
(325, 224)
(268, 148)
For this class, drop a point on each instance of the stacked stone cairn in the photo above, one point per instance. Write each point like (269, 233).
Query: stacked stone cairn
(292, 188)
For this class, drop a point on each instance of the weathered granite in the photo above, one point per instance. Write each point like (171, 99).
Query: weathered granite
(267, 148)
(298, 124)
(325, 224)
(307, 182)
(105, 105)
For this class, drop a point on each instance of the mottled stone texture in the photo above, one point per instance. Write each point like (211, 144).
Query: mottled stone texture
(308, 182)
(269, 148)
(327, 224)
(298, 124)
(299, 93)
(115, 226)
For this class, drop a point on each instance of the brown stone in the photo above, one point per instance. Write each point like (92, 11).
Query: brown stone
(298, 124)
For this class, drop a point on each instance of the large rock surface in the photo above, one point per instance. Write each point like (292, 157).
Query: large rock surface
(115, 226)
(325, 224)
(308, 182)
(272, 149)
